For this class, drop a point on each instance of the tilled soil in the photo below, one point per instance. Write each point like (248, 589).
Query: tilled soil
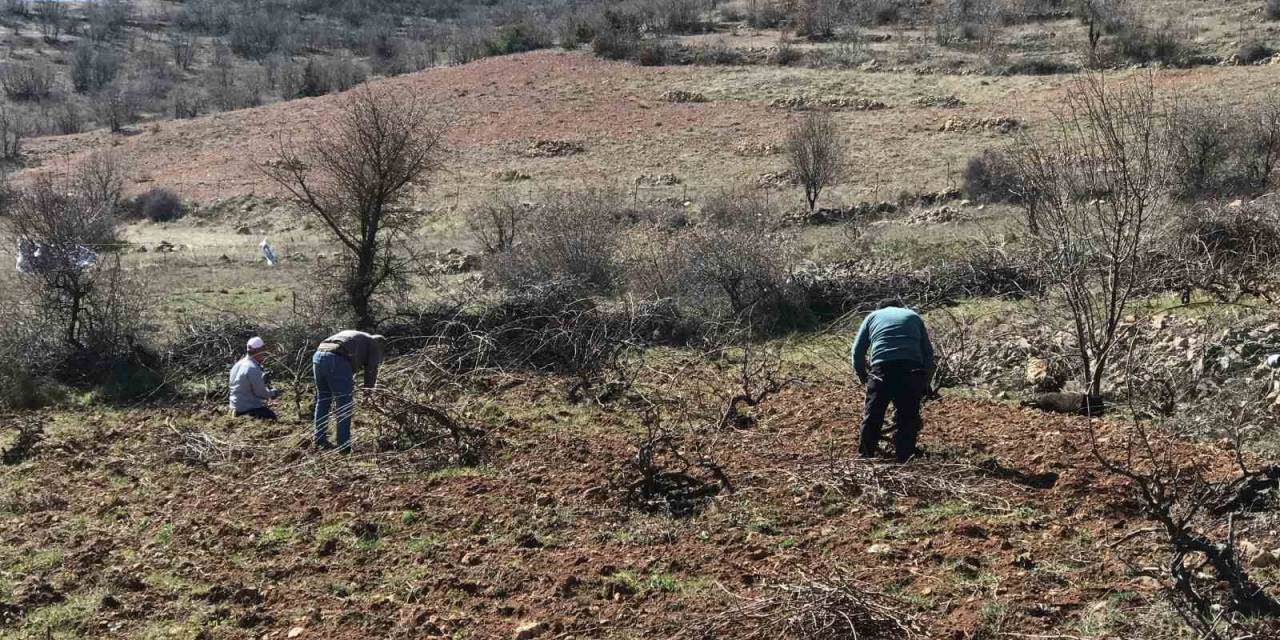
(1008, 527)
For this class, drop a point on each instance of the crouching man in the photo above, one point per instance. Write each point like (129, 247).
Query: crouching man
(249, 393)
(334, 364)
(901, 362)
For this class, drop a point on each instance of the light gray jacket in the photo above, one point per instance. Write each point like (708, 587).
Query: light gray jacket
(364, 351)
(248, 386)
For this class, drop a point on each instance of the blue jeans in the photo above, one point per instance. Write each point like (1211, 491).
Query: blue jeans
(334, 386)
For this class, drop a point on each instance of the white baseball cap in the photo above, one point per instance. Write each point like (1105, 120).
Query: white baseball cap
(256, 344)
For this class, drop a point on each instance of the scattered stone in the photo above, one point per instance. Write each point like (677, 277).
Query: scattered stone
(938, 215)
(452, 262)
(1264, 559)
(553, 148)
(1024, 561)
(1002, 124)
(880, 549)
(568, 586)
(470, 559)
(166, 247)
(511, 175)
(243, 231)
(1042, 376)
(295, 632)
(681, 96)
(660, 180)
(777, 179)
(805, 103)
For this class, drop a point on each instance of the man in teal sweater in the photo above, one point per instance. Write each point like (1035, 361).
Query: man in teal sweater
(901, 362)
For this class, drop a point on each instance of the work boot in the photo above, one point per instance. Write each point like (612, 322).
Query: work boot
(324, 445)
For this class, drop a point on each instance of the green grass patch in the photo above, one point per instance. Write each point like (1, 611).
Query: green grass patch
(66, 619)
(274, 537)
(425, 545)
(163, 535)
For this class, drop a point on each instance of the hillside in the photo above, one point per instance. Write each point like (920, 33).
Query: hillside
(496, 107)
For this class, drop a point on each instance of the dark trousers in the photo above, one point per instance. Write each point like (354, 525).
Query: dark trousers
(261, 413)
(904, 384)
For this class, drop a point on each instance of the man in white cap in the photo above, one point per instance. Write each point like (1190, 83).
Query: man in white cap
(249, 392)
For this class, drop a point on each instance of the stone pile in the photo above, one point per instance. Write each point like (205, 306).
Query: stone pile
(859, 211)
(838, 103)
(552, 148)
(945, 102)
(999, 124)
(681, 96)
(938, 215)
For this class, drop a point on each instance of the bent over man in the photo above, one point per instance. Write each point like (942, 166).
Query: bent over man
(249, 392)
(334, 365)
(901, 362)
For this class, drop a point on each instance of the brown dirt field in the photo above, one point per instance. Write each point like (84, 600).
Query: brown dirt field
(107, 535)
(497, 105)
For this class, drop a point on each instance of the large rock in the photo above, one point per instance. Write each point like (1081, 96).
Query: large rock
(531, 629)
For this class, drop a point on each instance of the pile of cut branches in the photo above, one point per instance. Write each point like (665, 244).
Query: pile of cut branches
(808, 608)
(429, 432)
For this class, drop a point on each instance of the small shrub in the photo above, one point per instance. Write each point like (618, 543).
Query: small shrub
(27, 81)
(1224, 151)
(1253, 52)
(13, 128)
(615, 45)
(1164, 44)
(496, 223)
(67, 118)
(188, 102)
(992, 177)
(653, 53)
(573, 237)
(719, 52)
(765, 14)
(518, 38)
(323, 75)
(1039, 67)
(158, 205)
(117, 107)
(258, 34)
(786, 55)
(681, 17)
(882, 12)
(93, 67)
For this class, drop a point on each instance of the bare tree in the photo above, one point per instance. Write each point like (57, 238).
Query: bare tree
(1099, 179)
(52, 16)
(496, 222)
(356, 178)
(816, 153)
(12, 130)
(59, 228)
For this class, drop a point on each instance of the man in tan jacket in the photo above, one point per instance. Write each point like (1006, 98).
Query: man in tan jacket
(334, 364)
